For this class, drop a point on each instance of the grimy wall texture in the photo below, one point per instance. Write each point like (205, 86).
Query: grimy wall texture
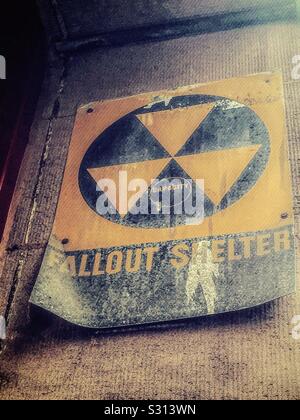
(249, 354)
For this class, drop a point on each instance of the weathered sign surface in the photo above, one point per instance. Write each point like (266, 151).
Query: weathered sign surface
(224, 142)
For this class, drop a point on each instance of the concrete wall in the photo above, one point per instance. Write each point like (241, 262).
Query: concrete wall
(80, 18)
(245, 355)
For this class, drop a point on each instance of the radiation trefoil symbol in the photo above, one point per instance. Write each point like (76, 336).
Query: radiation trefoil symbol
(192, 137)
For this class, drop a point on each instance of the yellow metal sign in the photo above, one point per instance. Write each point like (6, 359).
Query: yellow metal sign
(228, 139)
(258, 210)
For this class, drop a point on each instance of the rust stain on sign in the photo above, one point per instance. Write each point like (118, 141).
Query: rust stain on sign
(124, 268)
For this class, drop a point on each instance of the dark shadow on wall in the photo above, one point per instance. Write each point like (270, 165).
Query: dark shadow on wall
(23, 47)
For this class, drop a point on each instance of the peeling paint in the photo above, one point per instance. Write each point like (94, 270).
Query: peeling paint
(226, 104)
(160, 100)
(203, 272)
(59, 290)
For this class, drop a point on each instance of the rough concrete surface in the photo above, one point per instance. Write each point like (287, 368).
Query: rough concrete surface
(246, 355)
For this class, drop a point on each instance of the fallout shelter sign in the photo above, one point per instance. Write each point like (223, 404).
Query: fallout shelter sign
(174, 205)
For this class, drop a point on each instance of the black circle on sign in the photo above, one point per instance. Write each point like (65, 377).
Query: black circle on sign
(229, 125)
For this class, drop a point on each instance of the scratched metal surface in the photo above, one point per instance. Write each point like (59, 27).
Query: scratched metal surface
(128, 299)
(249, 355)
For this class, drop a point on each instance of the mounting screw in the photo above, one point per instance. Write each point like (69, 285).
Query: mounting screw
(284, 216)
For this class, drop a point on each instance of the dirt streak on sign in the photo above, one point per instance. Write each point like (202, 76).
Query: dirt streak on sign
(122, 267)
